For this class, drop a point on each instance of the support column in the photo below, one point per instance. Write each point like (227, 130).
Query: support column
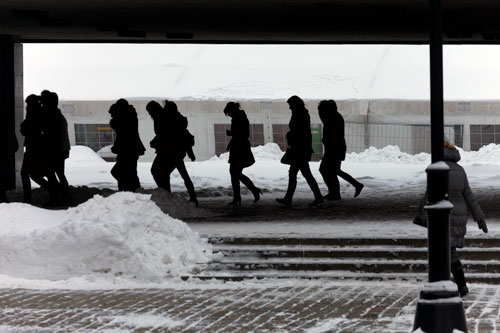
(439, 309)
(11, 106)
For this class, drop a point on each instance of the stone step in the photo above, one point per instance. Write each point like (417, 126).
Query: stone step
(358, 265)
(407, 242)
(359, 252)
(489, 278)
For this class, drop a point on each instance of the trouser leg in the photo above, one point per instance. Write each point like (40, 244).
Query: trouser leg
(348, 178)
(292, 181)
(125, 172)
(25, 179)
(458, 273)
(181, 167)
(306, 172)
(328, 170)
(235, 172)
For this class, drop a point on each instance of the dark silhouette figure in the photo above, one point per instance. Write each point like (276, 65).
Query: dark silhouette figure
(54, 150)
(8, 148)
(172, 142)
(128, 145)
(335, 150)
(60, 152)
(35, 164)
(463, 200)
(240, 152)
(299, 151)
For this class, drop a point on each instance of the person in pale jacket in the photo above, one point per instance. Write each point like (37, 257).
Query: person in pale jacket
(460, 195)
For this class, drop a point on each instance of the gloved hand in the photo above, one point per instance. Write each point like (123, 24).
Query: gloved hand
(482, 225)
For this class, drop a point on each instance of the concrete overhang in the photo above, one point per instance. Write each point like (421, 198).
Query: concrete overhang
(247, 21)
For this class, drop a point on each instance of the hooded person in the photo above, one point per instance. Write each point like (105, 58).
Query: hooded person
(127, 146)
(172, 141)
(462, 198)
(335, 151)
(299, 152)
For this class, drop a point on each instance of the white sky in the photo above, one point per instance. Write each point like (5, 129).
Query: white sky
(111, 71)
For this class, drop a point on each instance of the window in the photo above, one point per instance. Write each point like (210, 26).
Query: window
(221, 139)
(94, 136)
(279, 137)
(482, 135)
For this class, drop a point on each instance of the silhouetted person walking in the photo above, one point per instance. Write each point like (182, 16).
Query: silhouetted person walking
(172, 142)
(299, 151)
(35, 164)
(240, 152)
(460, 195)
(128, 146)
(8, 148)
(61, 153)
(335, 151)
(51, 144)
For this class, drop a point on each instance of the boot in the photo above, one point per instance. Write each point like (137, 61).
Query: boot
(256, 194)
(192, 198)
(458, 274)
(358, 187)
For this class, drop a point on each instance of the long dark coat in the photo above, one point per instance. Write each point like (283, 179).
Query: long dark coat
(240, 152)
(333, 136)
(460, 196)
(299, 137)
(126, 126)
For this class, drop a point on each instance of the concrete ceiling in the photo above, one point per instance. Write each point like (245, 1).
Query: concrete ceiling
(247, 21)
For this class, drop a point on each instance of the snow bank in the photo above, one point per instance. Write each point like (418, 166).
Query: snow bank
(124, 235)
(268, 152)
(388, 154)
(83, 154)
(489, 154)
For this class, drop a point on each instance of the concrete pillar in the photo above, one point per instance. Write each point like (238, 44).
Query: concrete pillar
(11, 94)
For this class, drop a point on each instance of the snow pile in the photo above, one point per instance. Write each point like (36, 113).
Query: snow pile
(388, 154)
(268, 152)
(124, 235)
(106, 152)
(83, 154)
(489, 154)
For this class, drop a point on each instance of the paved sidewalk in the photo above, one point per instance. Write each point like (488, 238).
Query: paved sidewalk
(254, 306)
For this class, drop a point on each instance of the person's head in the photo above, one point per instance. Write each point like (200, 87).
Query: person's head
(326, 108)
(33, 103)
(52, 100)
(122, 103)
(295, 103)
(171, 107)
(113, 109)
(231, 109)
(153, 108)
(32, 99)
(45, 97)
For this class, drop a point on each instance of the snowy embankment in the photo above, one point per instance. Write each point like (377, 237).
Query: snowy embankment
(125, 235)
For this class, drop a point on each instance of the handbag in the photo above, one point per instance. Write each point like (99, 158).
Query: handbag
(287, 157)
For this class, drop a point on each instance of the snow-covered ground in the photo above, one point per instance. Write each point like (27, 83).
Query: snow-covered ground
(125, 239)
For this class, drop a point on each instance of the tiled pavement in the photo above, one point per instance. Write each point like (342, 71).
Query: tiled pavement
(260, 306)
